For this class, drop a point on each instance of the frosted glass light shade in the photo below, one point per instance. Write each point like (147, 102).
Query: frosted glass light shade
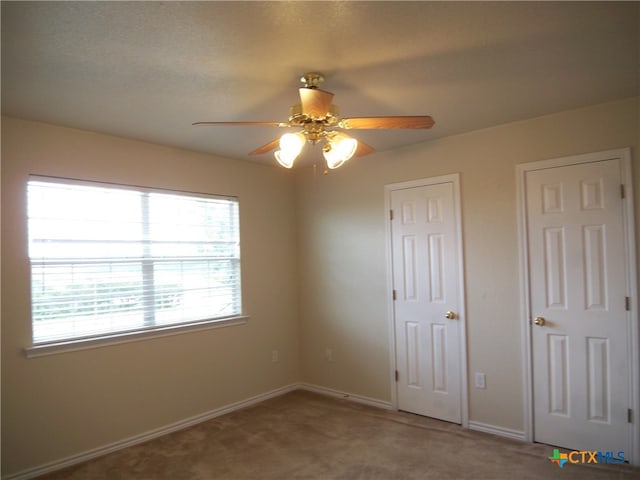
(290, 147)
(285, 159)
(341, 148)
(292, 143)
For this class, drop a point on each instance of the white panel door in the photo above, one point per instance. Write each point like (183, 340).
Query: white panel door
(424, 242)
(579, 328)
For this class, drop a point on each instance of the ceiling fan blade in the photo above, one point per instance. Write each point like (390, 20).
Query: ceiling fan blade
(272, 145)
(315, 102)
(363, 149)
(243, 124)
(423, 121)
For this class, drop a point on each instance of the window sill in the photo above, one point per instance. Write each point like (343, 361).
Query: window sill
(127, 337)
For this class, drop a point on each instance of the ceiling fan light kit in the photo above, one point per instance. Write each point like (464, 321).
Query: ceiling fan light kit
(290, 147)
(338, 149)
(318, 119)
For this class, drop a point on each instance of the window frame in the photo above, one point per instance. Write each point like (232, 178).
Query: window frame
(139, 333)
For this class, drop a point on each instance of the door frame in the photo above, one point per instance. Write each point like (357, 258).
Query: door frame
(453, 178)
(624, 155)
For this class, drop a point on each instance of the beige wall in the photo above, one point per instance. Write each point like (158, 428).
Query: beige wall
(342, 252)
(65, 404)
(328, 292)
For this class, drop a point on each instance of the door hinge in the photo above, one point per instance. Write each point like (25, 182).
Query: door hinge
(627, 303)
(395, 295)
(629, 415)
(390, 214)
(621, 190)
(397, 376)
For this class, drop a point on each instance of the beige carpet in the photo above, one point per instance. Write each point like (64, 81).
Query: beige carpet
(303, 435)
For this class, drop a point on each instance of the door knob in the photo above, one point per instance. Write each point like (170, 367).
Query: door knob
(539, 321)
(450, 315)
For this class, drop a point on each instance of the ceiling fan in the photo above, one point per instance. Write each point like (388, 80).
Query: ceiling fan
(317, 119)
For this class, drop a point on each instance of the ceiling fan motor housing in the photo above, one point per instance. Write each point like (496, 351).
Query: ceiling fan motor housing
(313, 127)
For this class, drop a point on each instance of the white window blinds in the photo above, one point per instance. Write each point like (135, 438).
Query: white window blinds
(110, 259)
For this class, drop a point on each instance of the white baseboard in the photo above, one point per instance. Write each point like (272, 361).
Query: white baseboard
(374, 402)
(499, 431)
(188, 422)
(144, 437)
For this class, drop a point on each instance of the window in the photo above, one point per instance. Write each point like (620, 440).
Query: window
(108, 259)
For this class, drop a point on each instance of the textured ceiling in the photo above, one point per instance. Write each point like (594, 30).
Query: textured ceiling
(147, 70)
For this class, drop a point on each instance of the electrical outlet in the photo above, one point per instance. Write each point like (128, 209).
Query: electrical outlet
(481, 381)
(275, 356)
